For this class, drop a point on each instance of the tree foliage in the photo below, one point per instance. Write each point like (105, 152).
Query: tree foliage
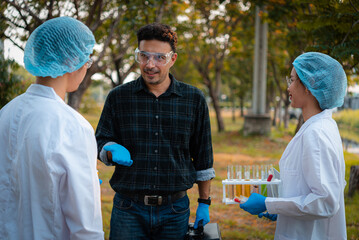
(216, 39)
(11, 84)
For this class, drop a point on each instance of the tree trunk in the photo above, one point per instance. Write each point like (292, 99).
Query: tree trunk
(233, 106)
(215, 101)
(74, 98)
(353, 180)
(217, 109)
(274, 122)
(241, 103)
(280, 113)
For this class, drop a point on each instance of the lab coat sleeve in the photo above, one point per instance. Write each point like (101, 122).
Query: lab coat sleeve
(79, 184)
(320, 166)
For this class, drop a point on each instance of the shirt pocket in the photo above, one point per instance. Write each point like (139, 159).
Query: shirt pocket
(181, 129)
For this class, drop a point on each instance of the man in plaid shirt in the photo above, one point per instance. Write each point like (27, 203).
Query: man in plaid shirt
(156, 132)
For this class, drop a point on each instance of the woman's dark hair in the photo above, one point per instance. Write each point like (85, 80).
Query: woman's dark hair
(158, 31)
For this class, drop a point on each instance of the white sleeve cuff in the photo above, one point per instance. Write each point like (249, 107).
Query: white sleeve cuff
(271, 205)
(205, 175)
(103, 155)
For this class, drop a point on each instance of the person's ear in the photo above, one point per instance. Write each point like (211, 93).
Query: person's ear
(173, 59)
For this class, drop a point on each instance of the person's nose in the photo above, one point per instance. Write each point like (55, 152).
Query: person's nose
(150, 63)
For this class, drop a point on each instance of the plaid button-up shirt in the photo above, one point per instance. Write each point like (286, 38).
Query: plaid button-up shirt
(169, 137)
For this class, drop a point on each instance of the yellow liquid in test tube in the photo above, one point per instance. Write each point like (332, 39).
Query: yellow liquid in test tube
(246, 188)
(239, 177)
(239, 190)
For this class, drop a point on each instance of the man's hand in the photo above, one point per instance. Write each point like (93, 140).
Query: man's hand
(119, 154)
(272, 217)
(202, 214)
(255, 204)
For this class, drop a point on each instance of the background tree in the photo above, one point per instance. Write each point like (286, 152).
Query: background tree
(216, 39)
(208, 34)
(11, 84)
(334, 28)
(113, 23)
(286, 42)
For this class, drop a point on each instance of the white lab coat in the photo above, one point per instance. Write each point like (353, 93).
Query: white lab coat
(49, 188)
(312, 170)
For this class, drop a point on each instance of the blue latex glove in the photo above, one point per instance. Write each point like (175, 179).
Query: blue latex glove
(120, 154)
(272, 217)
(202, 214)
(255, 204)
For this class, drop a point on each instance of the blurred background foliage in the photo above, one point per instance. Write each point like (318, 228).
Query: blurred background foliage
(215, 41)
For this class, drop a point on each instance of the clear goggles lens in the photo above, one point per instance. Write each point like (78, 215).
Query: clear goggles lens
(289, 81)
(143, 57)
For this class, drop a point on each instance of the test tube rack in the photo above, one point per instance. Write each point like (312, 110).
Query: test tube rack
(258, 182)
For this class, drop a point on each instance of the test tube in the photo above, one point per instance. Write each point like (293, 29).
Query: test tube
(239, 177)
(255, 188)
(247, 187)
(257, 173)
(271, 178)
(228, 172)
(263, 176)
(231, 178)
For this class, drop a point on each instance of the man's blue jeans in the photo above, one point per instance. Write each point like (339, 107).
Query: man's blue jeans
(131, 220)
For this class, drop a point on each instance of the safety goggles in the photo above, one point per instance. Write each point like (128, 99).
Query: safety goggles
(89, 63)
(161, 59)
(289, 81)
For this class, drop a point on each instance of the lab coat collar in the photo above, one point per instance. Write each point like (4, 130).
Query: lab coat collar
(324, 114)
(327, 113)
(43, 91)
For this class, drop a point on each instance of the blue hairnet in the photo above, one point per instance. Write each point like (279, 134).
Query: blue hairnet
(324, 77)
(58, 46)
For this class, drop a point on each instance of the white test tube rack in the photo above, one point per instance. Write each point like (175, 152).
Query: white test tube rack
(257, 182)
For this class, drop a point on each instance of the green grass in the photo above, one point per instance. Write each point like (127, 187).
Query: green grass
(348, 122)
(349, 118)
(228, 146)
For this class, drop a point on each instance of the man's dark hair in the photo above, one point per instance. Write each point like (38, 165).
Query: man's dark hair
(158, 31)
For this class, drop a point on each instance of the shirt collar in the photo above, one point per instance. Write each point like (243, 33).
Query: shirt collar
(174, 87)
(327, 113)
(43, 91)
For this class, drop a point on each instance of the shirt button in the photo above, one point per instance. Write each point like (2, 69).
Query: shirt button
(156, 116)
(156, 151)
(156, 133)
(156, 100)
(155, 168)
(154, 186)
